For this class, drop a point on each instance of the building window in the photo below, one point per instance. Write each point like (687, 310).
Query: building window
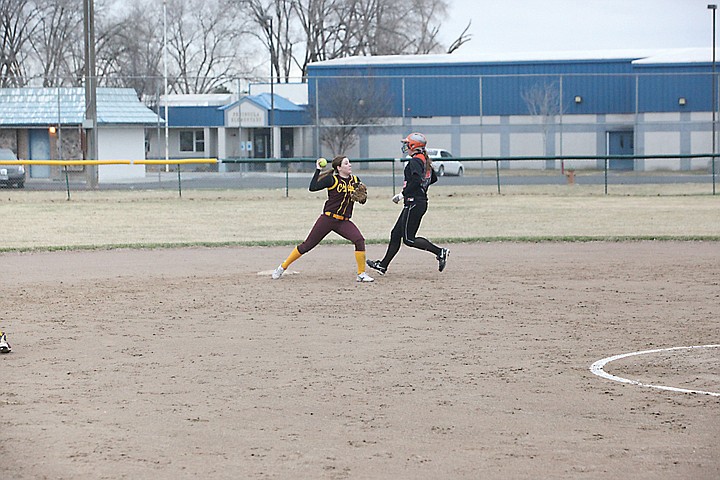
(192, 141)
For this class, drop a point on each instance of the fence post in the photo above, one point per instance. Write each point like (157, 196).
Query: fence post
(67, 183)
(393, 175)
(606, 175)
(287, 179)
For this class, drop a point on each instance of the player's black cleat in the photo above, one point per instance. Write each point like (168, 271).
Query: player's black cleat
(4, 345)
(442, 258)
(375, 265)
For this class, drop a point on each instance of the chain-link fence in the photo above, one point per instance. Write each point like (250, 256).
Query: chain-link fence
(550, 128)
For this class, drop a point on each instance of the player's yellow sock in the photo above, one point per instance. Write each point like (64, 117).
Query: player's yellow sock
(360, 259)
(294, 255)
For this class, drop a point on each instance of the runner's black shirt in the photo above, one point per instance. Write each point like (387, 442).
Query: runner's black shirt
(417, 179)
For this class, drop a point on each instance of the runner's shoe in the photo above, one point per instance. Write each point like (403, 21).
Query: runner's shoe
(4, 345)
(442, 258)
(376, 265)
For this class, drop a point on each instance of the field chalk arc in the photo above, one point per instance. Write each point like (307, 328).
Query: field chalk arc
(597, 369)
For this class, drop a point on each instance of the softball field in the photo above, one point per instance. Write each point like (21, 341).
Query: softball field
(191, 362)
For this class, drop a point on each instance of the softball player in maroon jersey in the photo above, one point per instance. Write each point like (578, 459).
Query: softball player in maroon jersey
(335, 217)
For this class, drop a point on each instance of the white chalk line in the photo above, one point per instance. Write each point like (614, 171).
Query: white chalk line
(597, 369)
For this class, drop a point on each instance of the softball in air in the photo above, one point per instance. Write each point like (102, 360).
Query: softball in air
(322, 162)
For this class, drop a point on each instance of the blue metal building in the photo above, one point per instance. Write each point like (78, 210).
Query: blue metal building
(447, 85)
(478, 105)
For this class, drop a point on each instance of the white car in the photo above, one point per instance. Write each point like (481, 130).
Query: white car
(444, 164)
(11, 174)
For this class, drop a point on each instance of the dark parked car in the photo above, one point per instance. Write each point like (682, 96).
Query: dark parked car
(11, 174)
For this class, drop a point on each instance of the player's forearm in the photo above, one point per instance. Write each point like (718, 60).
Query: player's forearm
(318, 183)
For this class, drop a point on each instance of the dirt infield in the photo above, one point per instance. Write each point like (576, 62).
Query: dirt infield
(186, 363)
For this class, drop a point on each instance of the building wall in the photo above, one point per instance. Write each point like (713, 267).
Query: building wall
(8, 139)
(480, 108)
(120, 143)
(156, 141)
(501, 136)
(525, 136)
(66, 144)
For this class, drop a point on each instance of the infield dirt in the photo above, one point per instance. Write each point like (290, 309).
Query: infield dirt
(185, 363)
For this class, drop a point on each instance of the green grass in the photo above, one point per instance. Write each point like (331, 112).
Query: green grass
(210, 218)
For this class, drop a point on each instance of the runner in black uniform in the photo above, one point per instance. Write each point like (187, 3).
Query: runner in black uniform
(335, 217)
(419, 175)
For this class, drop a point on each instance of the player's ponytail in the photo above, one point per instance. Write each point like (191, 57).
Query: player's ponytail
(427, 161)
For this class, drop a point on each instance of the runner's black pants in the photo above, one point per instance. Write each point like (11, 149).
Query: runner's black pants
(405, 231)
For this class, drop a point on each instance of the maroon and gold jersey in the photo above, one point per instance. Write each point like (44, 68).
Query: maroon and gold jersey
(339, 205)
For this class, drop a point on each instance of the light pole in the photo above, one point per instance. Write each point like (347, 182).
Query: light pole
(90, 122)
(713, 7)
(165, 81)
(271, 116)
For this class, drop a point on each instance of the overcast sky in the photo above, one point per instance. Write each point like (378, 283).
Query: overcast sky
(553, 25)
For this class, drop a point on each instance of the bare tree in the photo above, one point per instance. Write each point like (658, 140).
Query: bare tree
(419, 24)
(329, 29)
(275, 31)
(544, 102)
(203, 44)
(210, 42)
(348, 105)
(17, 21)
(312, 16)
(380, 27)
(59, 27)
(462, 39)
(130, 49)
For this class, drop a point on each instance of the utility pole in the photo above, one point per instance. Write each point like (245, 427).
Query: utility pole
(90, 122)
(271, 116)
(165, 79)
(713, 7)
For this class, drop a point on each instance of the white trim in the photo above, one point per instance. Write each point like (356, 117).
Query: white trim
(641, 56)
(597, 369)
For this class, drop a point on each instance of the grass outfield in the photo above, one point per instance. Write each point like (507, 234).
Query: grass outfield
(152, 218)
